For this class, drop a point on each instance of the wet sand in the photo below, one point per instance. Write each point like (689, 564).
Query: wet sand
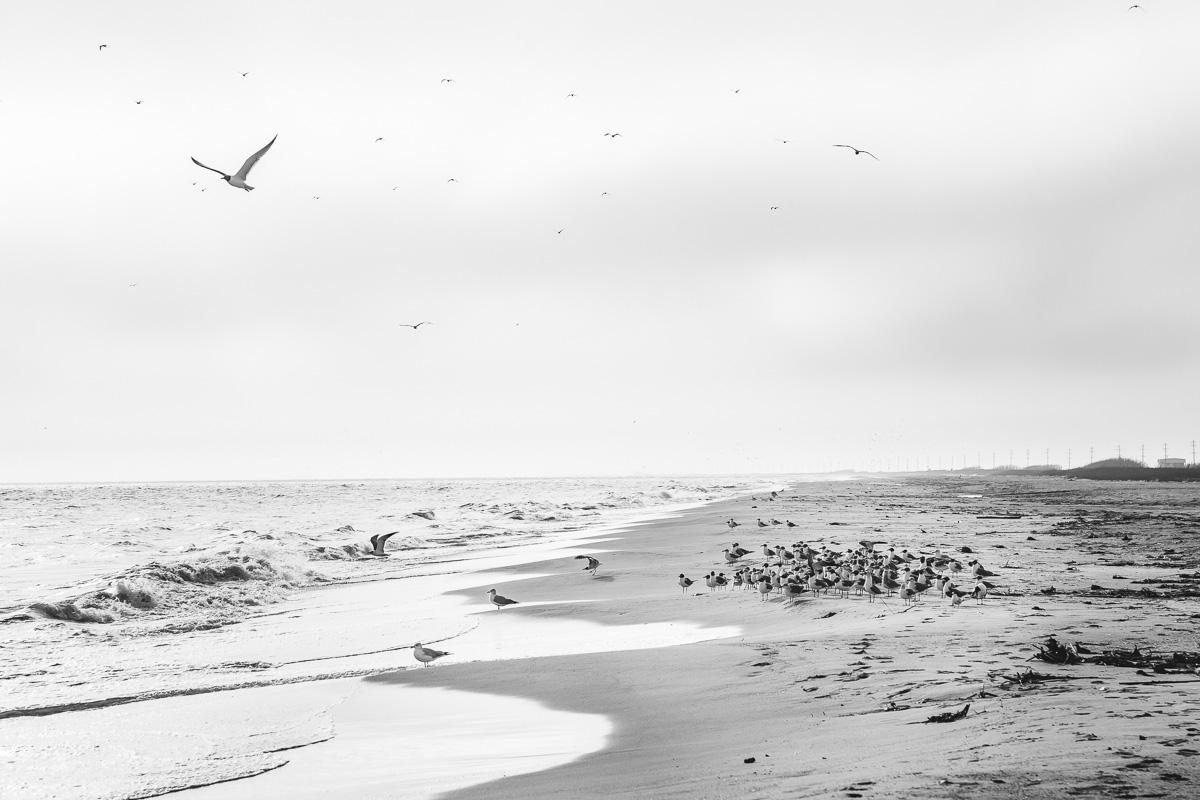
(830, 696)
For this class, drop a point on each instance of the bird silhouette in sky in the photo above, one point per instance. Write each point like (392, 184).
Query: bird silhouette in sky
(103, 46)
(856, 150)
(452, 180)
(570, 95)
(774, 208)
(380, 139)
(238, 179)
(137, 102)
(614, 135)
(560, 230)
(244, 74)
(447, 80)
(602, 194)
(1135, 5)
(785, 141)
(735, 91)
(414, 327)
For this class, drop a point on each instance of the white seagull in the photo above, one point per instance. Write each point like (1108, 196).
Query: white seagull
(377, 543)
(238, 180)
(499, 600)
(592, 565)
(427, 655)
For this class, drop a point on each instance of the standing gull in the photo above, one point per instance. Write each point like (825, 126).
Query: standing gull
(499, 600)
(427, 655)
(684, 582)
(238, 180)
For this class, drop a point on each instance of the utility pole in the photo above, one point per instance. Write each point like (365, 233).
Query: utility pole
(1091, 454)
(1118, 451)
(1143, 459)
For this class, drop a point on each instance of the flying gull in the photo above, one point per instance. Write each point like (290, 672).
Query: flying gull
(592, 565)
(414, 327)
(856, 150)
(377, 543)
(103, 46)
(238, 180)
(427, 655)
(499, 600)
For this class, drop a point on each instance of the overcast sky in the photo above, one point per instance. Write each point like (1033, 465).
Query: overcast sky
(1017, 271)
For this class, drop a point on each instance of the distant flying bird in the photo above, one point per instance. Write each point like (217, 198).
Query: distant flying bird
(380, 139)
(735, 91)
(377, 543)
(238, 180)
(499, 600)
(133, 284)
(414, 327)
(138, 102)
(316, 197)
(785, 141)
(570, 95)
(452, 180)
(603, 193)
(856, 150)
(592, 565)
(774, 208)
(614, 135)
(244, 74)
(1132, 7)
(103, 46)
(447, 80)
(560, 230)
(427, 655)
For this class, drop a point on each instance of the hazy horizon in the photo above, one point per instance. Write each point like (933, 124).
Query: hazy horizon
(718, 290)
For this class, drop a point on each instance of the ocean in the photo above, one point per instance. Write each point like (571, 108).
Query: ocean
(112, 594)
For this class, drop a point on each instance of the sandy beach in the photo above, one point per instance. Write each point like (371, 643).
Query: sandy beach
(830, 696)
(622, 685)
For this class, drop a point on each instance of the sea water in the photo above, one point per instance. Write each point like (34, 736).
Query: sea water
(120, 601)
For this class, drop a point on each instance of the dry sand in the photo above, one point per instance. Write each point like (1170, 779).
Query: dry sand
(829, 696)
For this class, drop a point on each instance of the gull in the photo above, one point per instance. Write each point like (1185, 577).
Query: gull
(380, 139)
(731, 557)
(499, 600)
(735, 91)
(427, 655)
(560, 230)
(238, 180)
(137, 102)
(614, 135)
(733, 523)
(785, 141)
(684, 583)
(452, 180)
(244, 74)
(739, 551)
(980, 591)
(774, 208)
(414, 327)
(570, 95)
(447, 80)
(103, 46)
(377, 543)
(1135, 5)
(603, 193)
(856, 150)
(592, 565)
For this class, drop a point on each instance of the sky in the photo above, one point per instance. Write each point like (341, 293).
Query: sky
(718, 289)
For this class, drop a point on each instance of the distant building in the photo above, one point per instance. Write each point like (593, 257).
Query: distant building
(1172, 463)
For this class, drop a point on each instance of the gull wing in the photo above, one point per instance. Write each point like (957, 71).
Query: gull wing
(252, 160)
(198, 164)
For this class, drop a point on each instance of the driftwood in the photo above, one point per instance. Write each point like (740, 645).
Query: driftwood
(950, 716)
(1178, 662)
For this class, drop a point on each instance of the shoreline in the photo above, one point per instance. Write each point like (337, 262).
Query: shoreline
(826, 694)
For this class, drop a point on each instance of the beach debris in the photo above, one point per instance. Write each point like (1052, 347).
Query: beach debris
(749, 760)
(1053, 652)
(950, 716)
(422, 514)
